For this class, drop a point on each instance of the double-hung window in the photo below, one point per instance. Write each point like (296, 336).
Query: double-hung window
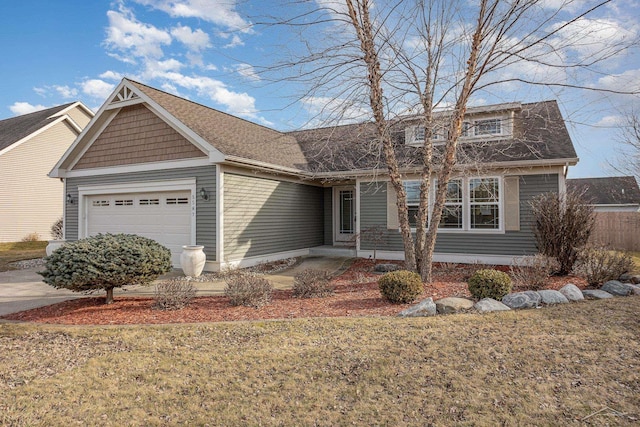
(484, 203)
(452, 211)
(412, 188)
(488, 127)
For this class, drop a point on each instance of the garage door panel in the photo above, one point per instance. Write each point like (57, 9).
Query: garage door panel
(164, 217)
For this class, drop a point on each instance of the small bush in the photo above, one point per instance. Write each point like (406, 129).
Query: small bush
(31, 237)
(489, 284)
(106, 261)
(249, 290)
(600, 265)
(174, 294)
(311, 283)
(56, 230)
(533, 272)
(401, 286)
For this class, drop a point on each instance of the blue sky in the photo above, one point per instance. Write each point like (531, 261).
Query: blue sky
(65, 50)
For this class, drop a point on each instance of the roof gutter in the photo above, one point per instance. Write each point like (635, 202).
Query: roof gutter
(267, 167)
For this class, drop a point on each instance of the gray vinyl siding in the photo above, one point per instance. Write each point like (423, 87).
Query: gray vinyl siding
(328, 216)
(265, 216)
(205, 210)
(373, 211)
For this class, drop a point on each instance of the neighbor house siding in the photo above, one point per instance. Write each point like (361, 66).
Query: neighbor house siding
(80, 116)
(205, 210)
(373, 205)
(265, 216)
(30, 201)
(137, 135)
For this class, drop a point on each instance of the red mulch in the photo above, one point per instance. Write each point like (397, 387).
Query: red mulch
(356, 295)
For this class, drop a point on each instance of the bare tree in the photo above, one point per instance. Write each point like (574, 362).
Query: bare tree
(393, 57)
(628, 158)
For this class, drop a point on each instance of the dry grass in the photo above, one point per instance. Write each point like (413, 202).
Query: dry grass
(636, 260)
(18, 251)
(554, 366)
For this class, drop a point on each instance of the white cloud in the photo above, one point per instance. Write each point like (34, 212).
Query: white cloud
(219, 12)
(610, 121)
(97, 88)
(628, 81)
(195, 41)
(241, 104)
(19, 108)
(248, 72)
(111, 75)
(42, 91)
(66, 91)
(593, 38)
(326, 109)
(235, 42)
(131, 37)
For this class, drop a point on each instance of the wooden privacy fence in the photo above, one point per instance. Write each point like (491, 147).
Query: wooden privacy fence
(617, 230)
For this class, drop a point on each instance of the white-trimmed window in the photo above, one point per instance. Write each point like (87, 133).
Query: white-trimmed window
(488, 127)
(484, 203)
(418, 134)
(412, 188)
(452, 217)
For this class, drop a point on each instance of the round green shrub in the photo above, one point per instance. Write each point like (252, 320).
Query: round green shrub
(489, 284)
(401, 286)
(106, 261)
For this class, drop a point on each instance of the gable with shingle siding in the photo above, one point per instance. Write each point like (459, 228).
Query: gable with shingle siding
(136, 135)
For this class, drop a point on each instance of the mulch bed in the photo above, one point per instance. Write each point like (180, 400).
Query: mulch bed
(356, 295)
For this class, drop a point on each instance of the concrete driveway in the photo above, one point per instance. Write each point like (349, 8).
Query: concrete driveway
(24, 289)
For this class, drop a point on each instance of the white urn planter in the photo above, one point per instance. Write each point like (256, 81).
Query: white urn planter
(192, 260)
(53, 245)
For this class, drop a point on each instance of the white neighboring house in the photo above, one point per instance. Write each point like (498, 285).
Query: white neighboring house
(30, 145)
(609, 194)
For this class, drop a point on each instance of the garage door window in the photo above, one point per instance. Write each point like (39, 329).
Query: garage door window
(148, 202)
(177, 201)
(127, 202)
(100, 203)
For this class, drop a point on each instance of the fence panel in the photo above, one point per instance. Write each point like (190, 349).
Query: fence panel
(618, 230)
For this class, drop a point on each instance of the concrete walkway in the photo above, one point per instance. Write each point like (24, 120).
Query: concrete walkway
(24, 289)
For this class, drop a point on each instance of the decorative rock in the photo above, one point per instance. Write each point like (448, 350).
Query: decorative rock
(617, 288)
(571, 292)
(422, 309)
(487, 305)
(625, 278)
(635, 280)
(636, 289)
(385, 268)
(453, 305)
(526, 299)
(596, 294)
(550, 297)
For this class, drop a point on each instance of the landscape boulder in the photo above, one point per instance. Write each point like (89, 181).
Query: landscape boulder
(636, 289)
(617, 288)
(453, 305)
(596, 294)
(571, 292)
(526, 299)
(550, 297)
(422, 309)
(386, 268)
(487, 305)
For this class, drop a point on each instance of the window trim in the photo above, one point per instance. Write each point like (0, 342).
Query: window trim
(466, 206)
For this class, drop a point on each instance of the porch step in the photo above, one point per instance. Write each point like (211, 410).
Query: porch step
(333, 251)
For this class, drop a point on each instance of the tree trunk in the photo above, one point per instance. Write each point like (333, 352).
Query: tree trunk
(109, 298)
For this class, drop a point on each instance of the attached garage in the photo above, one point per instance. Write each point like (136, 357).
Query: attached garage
(164, 216)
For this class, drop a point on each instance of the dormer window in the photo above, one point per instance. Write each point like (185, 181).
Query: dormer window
(418, 135)
(488, 127)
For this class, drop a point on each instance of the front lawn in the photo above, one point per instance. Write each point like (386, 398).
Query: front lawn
(18, 251)
(562, 365)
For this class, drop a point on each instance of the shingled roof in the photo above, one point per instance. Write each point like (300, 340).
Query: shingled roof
(15, 129)
(231, 135)
(612, 190)
(539, 134)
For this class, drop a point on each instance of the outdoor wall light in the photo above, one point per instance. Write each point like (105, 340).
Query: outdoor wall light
(69, 199)
(204, 195)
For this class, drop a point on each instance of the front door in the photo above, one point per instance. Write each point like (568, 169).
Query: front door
(344, 214)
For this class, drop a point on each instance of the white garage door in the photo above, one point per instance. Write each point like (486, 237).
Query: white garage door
(164, 217)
